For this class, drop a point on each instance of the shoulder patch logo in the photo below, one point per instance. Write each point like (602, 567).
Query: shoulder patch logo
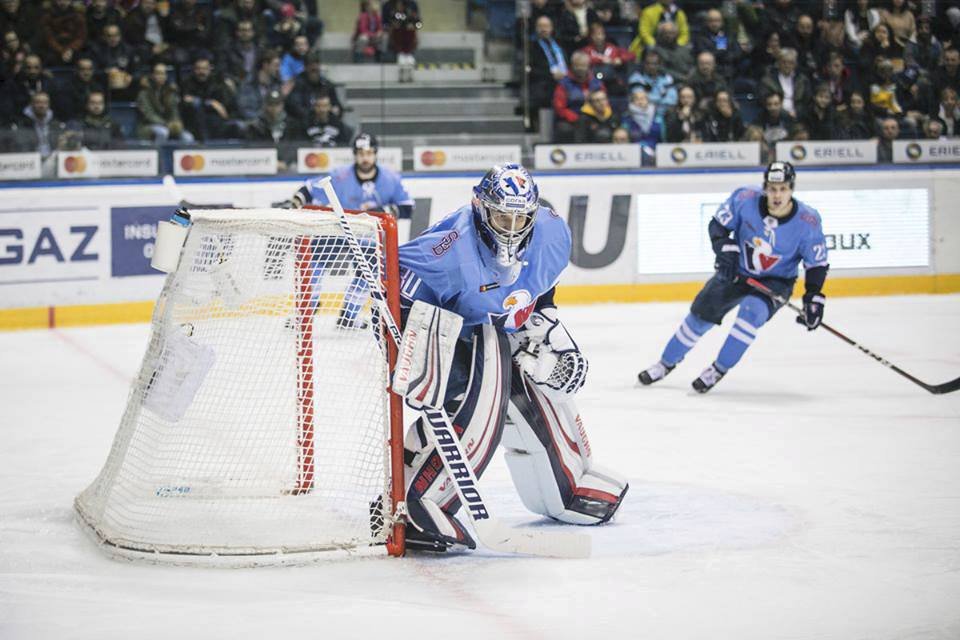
(445, 243)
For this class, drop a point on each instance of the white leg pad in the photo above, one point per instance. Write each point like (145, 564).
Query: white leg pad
(432, 499)
(553, 474)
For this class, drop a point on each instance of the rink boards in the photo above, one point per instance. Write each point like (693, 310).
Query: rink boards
(75, 254)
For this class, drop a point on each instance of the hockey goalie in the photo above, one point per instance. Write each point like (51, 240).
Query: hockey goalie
(514, 370)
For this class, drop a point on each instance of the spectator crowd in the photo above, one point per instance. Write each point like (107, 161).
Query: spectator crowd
(744, 70)
(186, 71)
(98, 74)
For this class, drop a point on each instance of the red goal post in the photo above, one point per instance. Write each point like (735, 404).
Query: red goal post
(391, 284)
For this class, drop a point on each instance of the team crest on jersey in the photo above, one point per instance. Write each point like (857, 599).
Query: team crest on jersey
(759, 254)
(518, 307)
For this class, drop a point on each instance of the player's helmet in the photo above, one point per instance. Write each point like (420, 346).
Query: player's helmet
(365, 141)
(505, 205)
(778, 172)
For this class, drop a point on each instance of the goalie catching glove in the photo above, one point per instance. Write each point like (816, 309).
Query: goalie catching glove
(547, 354)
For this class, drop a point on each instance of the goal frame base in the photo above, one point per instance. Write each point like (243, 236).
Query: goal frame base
(237, 560)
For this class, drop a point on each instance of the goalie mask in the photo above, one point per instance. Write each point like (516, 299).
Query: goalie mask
(505, 206)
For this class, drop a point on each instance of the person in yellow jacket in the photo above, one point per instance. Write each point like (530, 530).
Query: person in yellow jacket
(660, 11)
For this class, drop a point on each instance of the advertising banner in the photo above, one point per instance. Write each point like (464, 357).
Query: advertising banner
(480, 157)
(107, 164)
(827, 153)
(587, 156)
(62, 244)
(322, 160)
(20, 166)
(224, 162)
(83, 243)
(876, 228)
(911, 151)
(133, 231)
(710, 154)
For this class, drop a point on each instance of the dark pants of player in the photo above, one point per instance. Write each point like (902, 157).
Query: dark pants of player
(714, 301)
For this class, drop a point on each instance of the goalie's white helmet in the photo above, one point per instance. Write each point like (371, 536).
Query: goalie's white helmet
(505, 206)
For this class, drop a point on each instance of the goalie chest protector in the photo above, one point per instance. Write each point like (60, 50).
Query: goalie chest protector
(449, 266)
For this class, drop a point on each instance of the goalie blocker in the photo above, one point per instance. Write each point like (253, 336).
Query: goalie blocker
(547, 450)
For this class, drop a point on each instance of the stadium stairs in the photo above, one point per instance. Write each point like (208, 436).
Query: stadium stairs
(458, 93)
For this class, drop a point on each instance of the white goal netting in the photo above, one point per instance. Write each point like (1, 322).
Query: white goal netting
(258, 423)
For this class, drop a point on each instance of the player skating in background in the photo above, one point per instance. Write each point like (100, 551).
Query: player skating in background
(759, 234)
(362, 186)
(496, 262)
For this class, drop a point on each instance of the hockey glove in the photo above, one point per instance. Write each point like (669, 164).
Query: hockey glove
(812, 314)
(548, 355)
(728, 263)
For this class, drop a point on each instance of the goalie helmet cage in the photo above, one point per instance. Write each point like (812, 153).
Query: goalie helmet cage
(260, 429)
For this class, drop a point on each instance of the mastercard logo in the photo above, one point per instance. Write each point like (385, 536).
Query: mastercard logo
(433, 158)
(192, 163)
(317, 160)
(75, 164)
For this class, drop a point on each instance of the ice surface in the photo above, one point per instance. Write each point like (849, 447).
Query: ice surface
(812, 494)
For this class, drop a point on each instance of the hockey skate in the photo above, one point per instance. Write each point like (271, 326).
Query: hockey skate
(708, 379)
(654, 373)
(418, 539)
(430, 528)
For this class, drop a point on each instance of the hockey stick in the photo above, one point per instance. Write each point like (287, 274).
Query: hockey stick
(946, 387)
(173, 190)
(491, 533)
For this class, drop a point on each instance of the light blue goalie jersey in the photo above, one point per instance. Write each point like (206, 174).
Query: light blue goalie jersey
(768, 246)
(385, 190)
(449, 266)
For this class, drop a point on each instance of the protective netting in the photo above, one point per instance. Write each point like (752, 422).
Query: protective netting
(258, 422)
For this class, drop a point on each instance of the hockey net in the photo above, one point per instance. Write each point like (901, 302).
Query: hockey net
(260, 428)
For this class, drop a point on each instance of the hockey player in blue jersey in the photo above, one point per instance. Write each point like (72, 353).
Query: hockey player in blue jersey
(496, 262)
(363, 185)
(761, 234)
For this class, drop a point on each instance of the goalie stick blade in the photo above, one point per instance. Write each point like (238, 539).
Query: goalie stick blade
(946, 387)
(496, 536)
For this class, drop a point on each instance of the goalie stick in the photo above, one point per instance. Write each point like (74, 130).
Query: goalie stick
(491, 533)
(946, 387)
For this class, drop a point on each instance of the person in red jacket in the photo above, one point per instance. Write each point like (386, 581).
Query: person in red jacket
(368, 34)
(607, 60)
(570, 95)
